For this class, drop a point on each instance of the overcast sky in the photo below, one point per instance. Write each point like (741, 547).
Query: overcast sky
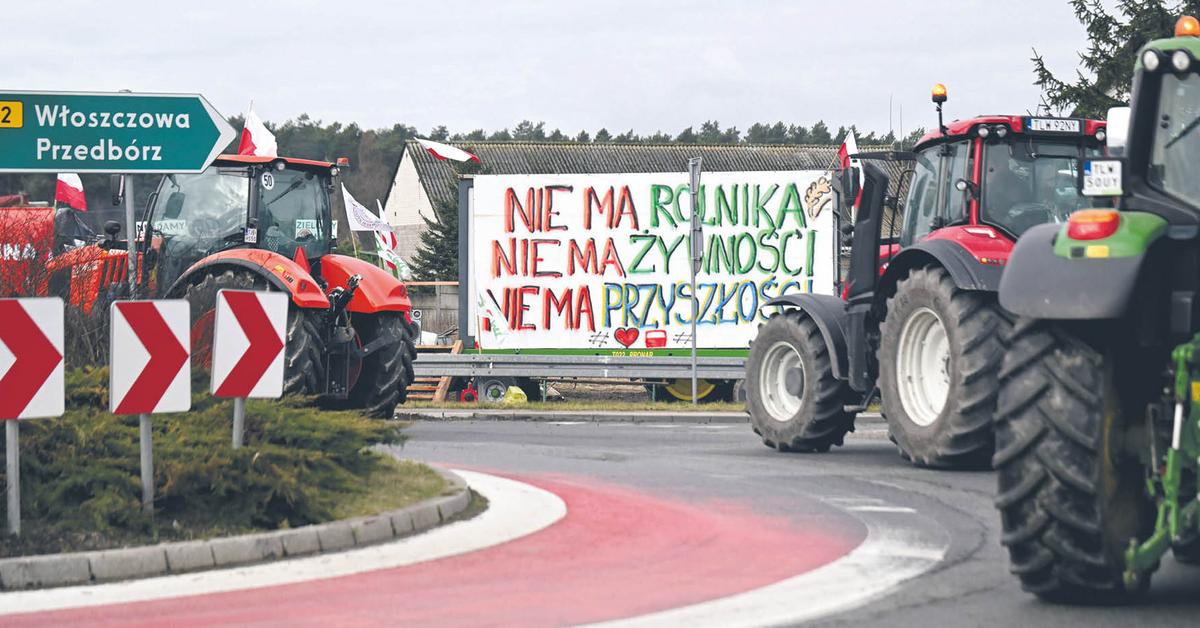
(622, 64)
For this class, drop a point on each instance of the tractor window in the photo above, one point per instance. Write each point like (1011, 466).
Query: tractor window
(1030, 182)
(921, 207)
(958, 166)
(195, 215)
(293, 211)
(1176, 148)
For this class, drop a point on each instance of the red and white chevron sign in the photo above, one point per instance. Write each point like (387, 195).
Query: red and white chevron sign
(149, 357)
(31, 358)
(248, 341)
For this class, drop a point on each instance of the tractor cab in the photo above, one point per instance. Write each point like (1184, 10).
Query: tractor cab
(991, 178)
(275, 204)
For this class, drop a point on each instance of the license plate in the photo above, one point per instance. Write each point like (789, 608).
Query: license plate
(1102, 178)
(1053, 125)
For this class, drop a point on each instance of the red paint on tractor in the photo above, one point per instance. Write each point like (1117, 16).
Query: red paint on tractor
(304, 289)
(617, 553)
(378, 292)
(988, 245)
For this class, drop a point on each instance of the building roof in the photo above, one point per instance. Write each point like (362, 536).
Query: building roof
(440, 179)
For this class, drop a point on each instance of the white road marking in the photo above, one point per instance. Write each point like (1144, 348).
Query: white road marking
(515, 509)
(566, 422)
(898, 547)
(900, 509)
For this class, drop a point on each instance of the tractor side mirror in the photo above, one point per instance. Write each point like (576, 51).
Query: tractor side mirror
(1116, 131)
(112, 228)
(174, 205)
(116, 186)
(849, 184)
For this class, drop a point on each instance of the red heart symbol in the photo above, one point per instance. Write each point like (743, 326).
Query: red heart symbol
(626, 335)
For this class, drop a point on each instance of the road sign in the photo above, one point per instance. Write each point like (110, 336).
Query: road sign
(248, 341)
(148, 357)
(31, 358)
(109, 132)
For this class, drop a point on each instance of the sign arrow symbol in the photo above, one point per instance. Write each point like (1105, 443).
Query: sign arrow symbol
(35, 358)
(167, 356)
(265, 344)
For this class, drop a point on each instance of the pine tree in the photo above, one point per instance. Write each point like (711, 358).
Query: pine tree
(1106, 67)
(437, 254)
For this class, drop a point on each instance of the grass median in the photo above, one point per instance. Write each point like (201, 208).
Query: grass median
(81, 487)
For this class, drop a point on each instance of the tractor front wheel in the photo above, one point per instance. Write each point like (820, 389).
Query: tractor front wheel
(303, 372)
(939, 353)
(795, 402)
(1072, 493)
(386, 373)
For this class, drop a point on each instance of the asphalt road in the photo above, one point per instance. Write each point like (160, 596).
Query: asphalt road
(727, 465)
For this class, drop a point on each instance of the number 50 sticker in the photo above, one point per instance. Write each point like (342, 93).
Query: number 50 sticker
(11, 114)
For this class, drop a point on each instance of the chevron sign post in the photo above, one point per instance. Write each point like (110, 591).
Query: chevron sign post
(31, 379)
(248, 341)
(148, 357)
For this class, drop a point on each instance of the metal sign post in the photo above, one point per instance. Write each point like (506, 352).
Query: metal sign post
(697, 251)
(145, 443)
(130, 233)
(239, 421)
(13, 475)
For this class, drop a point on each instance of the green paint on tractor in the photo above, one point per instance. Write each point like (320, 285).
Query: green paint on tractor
(1135, 233)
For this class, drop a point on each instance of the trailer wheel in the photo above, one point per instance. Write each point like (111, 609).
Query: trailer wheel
(795, 402)
(939, 353)
(303, 370)
(1071, 490)
(680, 390)
(387, 373)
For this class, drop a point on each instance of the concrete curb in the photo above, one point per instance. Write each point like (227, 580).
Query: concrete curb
(29, 572)
(590, 416)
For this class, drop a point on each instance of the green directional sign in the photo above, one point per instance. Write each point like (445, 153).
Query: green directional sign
(105, 132)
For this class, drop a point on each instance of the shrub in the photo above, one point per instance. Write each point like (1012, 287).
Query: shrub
(80, 473)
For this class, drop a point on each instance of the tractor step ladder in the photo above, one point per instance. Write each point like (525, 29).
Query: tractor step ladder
(433, 388)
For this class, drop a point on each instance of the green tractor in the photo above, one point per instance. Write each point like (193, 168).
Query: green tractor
(1098, 412)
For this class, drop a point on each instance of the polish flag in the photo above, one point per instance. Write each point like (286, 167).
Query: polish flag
(446, 151)
(256, 139)
(849, 147)
(69, 191)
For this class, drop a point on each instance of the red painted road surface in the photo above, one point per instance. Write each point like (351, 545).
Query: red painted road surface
(617, 553)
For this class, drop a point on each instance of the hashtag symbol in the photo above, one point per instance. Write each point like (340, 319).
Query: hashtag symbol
(683, 337)
(598, 339)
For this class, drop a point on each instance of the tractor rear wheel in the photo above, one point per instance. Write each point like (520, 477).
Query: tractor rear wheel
(303, 367)
(795, 402)
(939, 353)
(387, 373)
(1071, 491)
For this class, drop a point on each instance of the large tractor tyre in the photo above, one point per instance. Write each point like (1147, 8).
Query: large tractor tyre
(303, 367)
(680, 390)
(939, 353)
(386, 374)
(1072, 491)
(795, 402)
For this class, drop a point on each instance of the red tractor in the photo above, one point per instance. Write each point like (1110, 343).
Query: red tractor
(262, 223)
(918, 324)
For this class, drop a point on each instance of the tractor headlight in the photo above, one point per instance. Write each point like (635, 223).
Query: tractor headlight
(1150, 60)
(1101, 135)
(983, 131)
(280, 165)
(1001, 130)
(1181, 61)
(333, 171)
